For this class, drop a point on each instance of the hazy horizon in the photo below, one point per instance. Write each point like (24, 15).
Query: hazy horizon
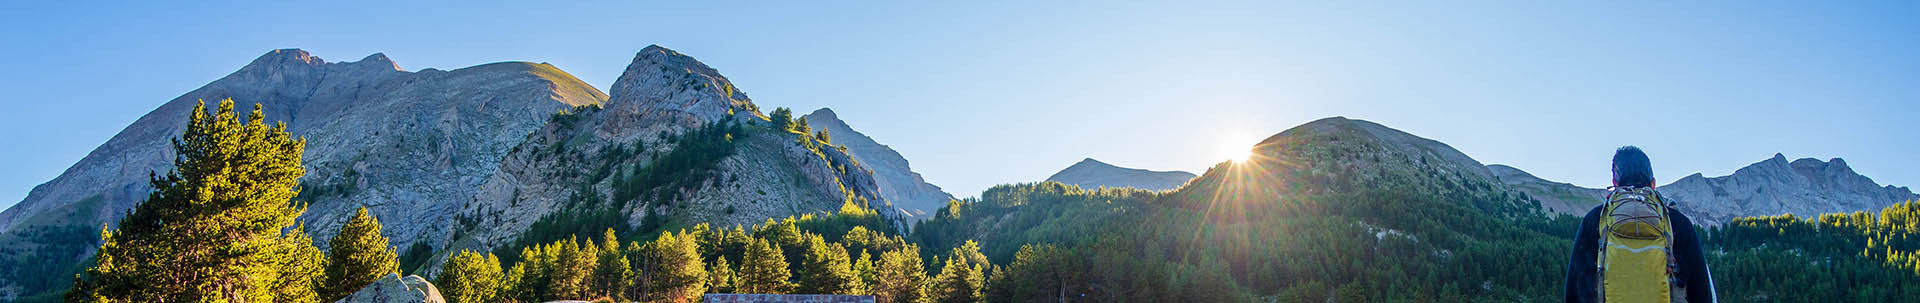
(981, 95)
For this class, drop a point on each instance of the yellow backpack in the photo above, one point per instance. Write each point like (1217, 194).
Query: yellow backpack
(1636, 248)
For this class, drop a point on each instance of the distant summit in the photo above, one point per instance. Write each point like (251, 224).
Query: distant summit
(1090, 174)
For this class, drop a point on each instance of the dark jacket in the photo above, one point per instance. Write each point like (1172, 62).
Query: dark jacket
(1582, 271)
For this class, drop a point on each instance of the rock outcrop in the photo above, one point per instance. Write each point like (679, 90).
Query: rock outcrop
(908, 192)
(396, 289)
(584, 160)
(1091, 174)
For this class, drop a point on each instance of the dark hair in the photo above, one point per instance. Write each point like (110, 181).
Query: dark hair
(1631, 167)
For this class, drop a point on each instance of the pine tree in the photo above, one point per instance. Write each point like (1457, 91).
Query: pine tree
(212, 229)
(471, 277)
(824, 137)
(1043, 272)
(513, 286)
(764, 270)
(826, 270)
(865, 272)
(962, 279)
(800, 126)
(782, 118)
(673, 271)
(720, 277)
(357, 256)
(302, 268)
(614, 273)
(901, 278)
(572, 269)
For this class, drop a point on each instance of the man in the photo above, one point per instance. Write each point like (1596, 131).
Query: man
(1686, 264)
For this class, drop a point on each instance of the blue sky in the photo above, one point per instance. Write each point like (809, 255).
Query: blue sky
(981, 93)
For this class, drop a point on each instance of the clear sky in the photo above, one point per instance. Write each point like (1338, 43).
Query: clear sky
(978, 93)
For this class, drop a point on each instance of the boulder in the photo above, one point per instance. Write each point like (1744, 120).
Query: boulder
(394, 288)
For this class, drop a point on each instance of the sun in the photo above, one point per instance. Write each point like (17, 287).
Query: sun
(1239, 156)
(1232, 148)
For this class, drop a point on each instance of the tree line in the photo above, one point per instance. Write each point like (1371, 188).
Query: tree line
(831, 254)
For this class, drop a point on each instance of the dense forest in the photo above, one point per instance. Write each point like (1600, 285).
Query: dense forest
(1860, 257)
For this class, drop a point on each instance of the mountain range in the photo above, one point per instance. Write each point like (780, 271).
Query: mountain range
(502, 154)
(1090, 173)
(1806, 188)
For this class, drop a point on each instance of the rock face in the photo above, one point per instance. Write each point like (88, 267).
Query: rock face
(411, 146)
(662, 87)
(1805, 187)
(1090, 174)
(578, 161)
(908, 192)
(1554, 196)
(396, 289)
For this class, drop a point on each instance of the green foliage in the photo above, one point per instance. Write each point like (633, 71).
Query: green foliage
(301, 270)
(720, 276)
(1281, 229)
(1857, 257)
(962, 277)
(693, 160)
(470, 277)
(901, 276)
(416, 255)
(764, 270)
(50, 245)
(615, 274)
(1041, 273)
(673, 271)
(782, 118)
(215, 229)
(357, 256)
(828, 270)
(566, 223)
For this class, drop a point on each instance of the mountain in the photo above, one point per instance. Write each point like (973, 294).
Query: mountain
(411, 146)
(1806, 187)
(898, 183)
(1332, 210)
(1090, 174)
(676, 144)
(477, 158)
(1554, 196)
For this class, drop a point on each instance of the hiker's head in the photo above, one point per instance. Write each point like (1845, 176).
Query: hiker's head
(1631, 167)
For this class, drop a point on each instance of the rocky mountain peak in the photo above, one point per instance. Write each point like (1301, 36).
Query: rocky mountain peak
(378, 61)
(824, 114)
(287, 56)
(664, 85)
